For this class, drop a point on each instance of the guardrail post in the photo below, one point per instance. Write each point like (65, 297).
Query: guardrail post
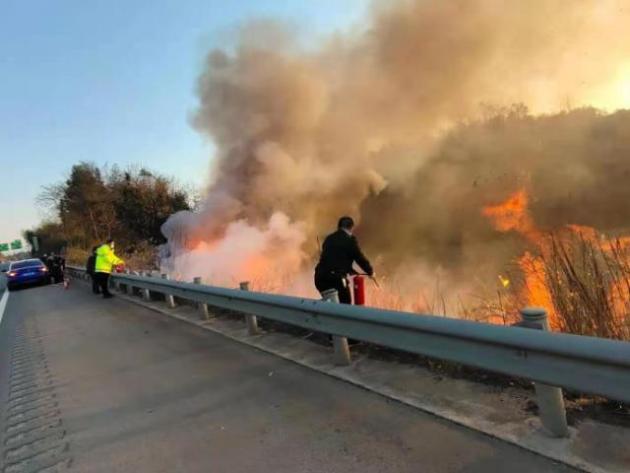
(116, 284)
(170, 299)
(110, 282)
(252, 320)
(146, 294)
(124, 288)
(342, 350)
(203, 308)
(132, 289)
(549, 398)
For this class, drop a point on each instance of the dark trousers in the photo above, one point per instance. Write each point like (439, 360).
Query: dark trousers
(102, 280)
(325, 281)
(95, 285)
(57, 275)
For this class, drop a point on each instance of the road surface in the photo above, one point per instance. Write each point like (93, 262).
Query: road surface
(108, 386)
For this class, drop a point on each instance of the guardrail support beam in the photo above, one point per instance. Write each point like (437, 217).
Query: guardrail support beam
(133, 290)
(124, 288)
(251, 320)
(203, 308)
(146, 294)
(342, 349)
(170, 299)
(549, 398)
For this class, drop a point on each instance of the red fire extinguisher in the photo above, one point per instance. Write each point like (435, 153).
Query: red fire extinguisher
(358, 290)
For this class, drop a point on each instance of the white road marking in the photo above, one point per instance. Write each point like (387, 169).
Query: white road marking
(3, 303)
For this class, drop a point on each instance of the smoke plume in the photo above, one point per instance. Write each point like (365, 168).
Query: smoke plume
(409, 126)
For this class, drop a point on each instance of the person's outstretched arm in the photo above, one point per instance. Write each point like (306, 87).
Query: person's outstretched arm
(360, 258)
(113, 259)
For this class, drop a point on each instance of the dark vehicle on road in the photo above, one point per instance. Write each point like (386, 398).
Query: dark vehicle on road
(27, 272)
(4, 267)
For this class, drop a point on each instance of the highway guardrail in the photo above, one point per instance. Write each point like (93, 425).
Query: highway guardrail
(585, 364)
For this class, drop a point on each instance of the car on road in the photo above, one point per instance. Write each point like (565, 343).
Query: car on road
(27, 272)
(4, 267)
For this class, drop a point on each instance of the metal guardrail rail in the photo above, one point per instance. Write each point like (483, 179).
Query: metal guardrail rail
(585, 364)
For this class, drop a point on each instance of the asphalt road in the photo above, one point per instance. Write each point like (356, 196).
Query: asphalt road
(108, 386)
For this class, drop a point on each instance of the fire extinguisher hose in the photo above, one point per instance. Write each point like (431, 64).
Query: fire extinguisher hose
(374, 280)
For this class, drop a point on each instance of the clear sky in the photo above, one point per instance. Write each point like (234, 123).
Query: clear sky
(112, 82)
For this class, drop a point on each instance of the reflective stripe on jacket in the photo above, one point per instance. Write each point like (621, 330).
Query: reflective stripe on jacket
(105, 259)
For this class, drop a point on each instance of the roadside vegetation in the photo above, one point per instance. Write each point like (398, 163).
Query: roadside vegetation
(95, 203)
(582, 279)
(589, 283)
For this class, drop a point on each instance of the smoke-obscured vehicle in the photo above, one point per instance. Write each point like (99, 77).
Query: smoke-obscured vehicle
(27, 272)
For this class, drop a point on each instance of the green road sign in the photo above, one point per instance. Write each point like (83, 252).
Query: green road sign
(4, 247)
(16, 245)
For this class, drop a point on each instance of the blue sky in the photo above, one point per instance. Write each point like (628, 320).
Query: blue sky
(112, 82)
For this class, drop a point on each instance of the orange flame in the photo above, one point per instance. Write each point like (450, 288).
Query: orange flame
(512, 215)
(535, 287)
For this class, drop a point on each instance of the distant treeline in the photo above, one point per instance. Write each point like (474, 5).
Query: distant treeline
(93, 204)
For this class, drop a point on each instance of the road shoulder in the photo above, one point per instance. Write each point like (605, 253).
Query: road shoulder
(499, 413)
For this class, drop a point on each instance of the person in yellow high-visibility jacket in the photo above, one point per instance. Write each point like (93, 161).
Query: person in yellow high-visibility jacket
(106, 259)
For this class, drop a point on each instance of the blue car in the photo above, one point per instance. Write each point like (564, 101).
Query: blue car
(27, 272)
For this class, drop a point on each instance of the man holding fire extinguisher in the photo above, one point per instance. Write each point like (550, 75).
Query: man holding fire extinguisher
(339, 251)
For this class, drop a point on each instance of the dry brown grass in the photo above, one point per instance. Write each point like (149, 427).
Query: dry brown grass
(583, 279)
(141, 258)
(589, 282)
(501, 308)
(76, 256)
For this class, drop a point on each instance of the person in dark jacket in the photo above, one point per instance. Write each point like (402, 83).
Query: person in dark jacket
(55, 265)
(89, 268)
(339, 251)
(60, 268)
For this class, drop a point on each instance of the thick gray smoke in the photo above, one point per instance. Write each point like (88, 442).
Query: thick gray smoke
(408, 126)
(574, 166)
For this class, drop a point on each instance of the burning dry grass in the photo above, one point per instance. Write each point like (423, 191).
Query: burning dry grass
(588, 279)
(581, 277)
(390, 295)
